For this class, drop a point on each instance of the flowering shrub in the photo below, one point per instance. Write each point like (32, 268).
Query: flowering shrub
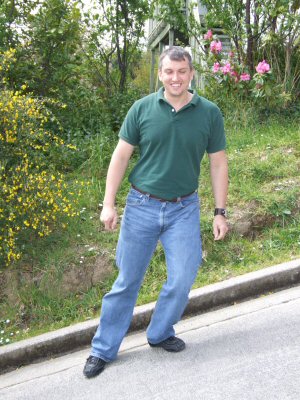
(226, 71)
(33, 196)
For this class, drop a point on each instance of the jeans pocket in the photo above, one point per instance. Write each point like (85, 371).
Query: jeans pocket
(192, 199)
(135, 198)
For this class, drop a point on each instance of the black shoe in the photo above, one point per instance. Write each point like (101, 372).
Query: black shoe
(173, 344)
(93, 366)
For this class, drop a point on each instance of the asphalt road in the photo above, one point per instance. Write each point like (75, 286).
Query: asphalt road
(246, 351)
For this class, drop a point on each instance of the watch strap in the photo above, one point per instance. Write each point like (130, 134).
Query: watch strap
(220, 211)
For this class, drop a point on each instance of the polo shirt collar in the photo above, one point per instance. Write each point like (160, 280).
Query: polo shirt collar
(161, 97)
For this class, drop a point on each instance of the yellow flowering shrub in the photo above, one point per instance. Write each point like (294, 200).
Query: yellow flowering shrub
(33, 195)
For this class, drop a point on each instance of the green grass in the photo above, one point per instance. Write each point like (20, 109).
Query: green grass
(264, 166)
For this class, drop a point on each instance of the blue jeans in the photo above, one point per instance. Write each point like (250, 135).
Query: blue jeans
(145, 222)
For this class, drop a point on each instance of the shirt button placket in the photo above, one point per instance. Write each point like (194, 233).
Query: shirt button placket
(173, 114)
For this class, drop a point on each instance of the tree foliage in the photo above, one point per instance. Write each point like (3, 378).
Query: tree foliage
(46, 36)
(114, 34)
(13, 17)
(78, 54)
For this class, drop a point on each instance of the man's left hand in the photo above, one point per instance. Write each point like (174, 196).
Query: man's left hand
(220, 227)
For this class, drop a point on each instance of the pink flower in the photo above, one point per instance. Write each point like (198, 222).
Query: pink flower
(208, 35)
(231, 54)
(215, 47)
(216, 67)
(262, 67)
(226, 69)
(245, 77)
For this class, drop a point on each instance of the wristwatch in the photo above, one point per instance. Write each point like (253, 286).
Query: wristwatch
(220, 211)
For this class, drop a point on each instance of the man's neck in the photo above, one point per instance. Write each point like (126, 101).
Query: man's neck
(180, 101)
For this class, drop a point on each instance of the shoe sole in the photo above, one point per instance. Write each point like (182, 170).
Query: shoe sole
(94, 374)
(170, 348)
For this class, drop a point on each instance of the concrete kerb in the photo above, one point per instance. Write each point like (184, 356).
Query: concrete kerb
(201, 300)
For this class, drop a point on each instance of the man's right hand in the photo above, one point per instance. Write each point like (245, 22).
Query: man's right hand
(109, 217)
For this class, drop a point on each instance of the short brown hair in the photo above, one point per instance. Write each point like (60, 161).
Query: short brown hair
(175, 53)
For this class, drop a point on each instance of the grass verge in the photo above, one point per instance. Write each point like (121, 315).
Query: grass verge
(264, 215)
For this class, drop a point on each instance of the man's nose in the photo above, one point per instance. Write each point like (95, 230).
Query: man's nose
(175, 76)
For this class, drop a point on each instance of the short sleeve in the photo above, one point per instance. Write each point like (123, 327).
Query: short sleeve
(217, 140)
(130, 131)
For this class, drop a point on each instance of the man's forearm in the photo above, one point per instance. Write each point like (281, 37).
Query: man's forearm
(115, 174)
(116, 171)
(219, 179)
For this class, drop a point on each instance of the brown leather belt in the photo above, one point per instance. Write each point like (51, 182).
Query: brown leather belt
(174, 200)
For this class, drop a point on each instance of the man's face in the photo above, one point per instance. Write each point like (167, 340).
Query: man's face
(175, 76)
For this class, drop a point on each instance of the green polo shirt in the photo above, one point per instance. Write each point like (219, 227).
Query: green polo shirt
(171, 144)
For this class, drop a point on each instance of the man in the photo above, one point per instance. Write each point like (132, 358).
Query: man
(173, 128)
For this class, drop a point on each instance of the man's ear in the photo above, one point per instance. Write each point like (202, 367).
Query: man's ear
(159, 74)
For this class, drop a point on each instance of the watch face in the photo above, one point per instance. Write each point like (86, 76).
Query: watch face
(224, 213)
